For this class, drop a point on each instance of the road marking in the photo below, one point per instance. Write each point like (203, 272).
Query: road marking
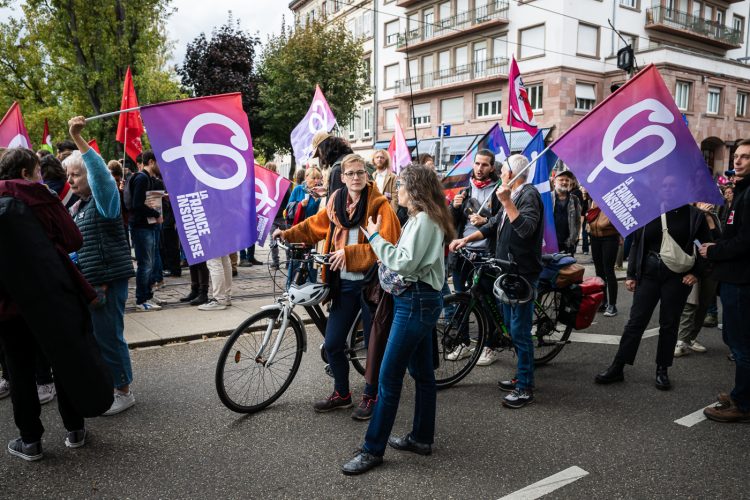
(694, 418)
(598, 338)
(548, 485)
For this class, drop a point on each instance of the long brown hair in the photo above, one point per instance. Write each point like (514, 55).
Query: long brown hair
(427, 196)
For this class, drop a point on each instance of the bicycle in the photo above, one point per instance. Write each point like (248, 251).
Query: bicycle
(261, 357)
(472, 320)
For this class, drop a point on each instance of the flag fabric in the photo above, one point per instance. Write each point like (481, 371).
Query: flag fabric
(635, 155)
(13, 133)
(47, 139)
(538, 176)
(270, 189)
(94, 145)
(398, 150)
(494, 140)
(519, 107)
(130, 126)
(205, 153)
(318, 118)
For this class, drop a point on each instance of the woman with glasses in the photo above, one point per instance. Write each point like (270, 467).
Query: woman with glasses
(350, 258)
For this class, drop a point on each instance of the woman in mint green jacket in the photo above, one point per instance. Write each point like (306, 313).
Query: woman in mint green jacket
(418, 260)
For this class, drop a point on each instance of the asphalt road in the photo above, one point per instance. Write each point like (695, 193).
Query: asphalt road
(180, 442)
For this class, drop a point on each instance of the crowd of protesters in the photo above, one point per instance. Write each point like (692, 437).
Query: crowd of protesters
(95, 216)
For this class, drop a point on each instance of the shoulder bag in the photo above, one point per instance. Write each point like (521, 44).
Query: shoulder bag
(674, 257)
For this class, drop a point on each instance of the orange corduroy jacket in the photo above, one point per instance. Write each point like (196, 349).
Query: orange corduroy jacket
(359, 257)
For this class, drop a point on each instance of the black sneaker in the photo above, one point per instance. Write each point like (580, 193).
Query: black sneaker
(29, 452)
(365, 408)
(611, 311)
(518, 398)
(75, 439)
(507, 385)
(333, 402)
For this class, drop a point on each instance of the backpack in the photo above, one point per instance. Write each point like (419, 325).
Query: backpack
(127, 191)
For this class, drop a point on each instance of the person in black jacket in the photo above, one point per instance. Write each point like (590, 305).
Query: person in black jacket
(653, 283)
(729, 256)
(519, 229)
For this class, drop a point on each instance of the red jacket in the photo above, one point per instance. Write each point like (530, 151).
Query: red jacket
(57, 224)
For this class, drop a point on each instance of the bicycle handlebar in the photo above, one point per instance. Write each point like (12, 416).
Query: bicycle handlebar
(312, 254)
(506, 265)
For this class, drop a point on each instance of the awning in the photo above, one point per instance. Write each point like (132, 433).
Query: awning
(585, 91)
(384, 144)
(452, 146)
(519, 138)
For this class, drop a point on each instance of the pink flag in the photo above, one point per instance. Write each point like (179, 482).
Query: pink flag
(398, 150)
(13, 133)
(519, 108)
(270, 189)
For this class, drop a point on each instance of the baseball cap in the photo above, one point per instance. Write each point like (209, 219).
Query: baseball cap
(317, 139)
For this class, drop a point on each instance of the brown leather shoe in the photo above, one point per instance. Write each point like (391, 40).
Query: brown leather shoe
(724, 400)
(726, 414)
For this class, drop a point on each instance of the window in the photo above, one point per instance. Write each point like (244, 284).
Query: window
(588, 40)
(445, 13)
(366, 122)
(633, 4)
(444, 60)
(531, 42)
(428, 22)
(720, 14)
(585, 96)
(488, 104)
(500, 47)
(462, 59)
(682, 95)
(708, 13)
(714, 101)
(697, 8)
(421, 114)
(741, 104)
(368, 70)
(352, 127)
(480, 58)
(391, 76)
(391, 32)
(738, 23)
(427, 70)
(631, 40)
(535, 96)
(452, 110)
(390, 118)
(413, 70)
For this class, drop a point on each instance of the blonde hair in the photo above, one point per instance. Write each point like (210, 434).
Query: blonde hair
(312, 170)
(351, 158)
(387, 157)
(271, 166)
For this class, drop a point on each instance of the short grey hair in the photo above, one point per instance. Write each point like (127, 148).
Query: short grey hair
(75, 159)
(518, 163)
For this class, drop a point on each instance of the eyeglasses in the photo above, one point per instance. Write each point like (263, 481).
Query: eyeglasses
(399, 183)
(357, 173)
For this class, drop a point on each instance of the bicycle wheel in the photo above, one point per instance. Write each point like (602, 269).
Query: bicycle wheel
(358, 349)
(548, 334)
(244, 381)
(460, 326)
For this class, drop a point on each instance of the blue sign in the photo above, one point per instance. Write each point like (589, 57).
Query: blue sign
(444, 131)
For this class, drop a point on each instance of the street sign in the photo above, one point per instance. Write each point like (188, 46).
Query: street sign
(444, 131)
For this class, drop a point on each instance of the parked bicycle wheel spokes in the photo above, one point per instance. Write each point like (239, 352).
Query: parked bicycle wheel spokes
(460, 331)
(548, 334)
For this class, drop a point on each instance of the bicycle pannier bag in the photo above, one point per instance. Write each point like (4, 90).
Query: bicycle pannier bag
(592, 290)
(569, 275)
(671, 254)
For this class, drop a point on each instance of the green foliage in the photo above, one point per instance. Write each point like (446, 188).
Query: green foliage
(293, 63)
(69, 57)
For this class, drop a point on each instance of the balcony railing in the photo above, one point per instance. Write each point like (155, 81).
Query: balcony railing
(457, 74)
(698, 27)
(497, 9)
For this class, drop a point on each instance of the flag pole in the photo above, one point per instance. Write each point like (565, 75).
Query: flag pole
(125, 150)
(113, 113)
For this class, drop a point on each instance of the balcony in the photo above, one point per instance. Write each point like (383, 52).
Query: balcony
(407, 3)
(695, 28)
(458, 76)
(494, 14)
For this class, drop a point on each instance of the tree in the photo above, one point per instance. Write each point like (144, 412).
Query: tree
(224, 63)
(292, 64)
(70, 58)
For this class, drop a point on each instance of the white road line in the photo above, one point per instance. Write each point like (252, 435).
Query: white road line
(694, 418)
(548, 485)
(598, 338)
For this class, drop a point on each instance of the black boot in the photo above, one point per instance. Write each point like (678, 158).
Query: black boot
(202, 297)
(662, 378)
(612, 374)
(192, 295)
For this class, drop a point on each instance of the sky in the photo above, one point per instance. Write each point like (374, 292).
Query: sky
(258, 17)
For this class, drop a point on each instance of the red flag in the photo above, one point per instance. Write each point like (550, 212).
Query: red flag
(94, 145)
(519, 108)
(47, 139)
(13, 133)
(130, 126)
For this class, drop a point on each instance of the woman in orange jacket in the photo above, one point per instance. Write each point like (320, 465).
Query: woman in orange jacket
(351, 257)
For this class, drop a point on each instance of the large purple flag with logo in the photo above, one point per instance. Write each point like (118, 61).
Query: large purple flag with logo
(319, 117)
(494, 140)
(205, 153)
(636, 156)
(538, 175)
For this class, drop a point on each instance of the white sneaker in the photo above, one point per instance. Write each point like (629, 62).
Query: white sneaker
(4, 388)
(121, 403)
(156, 300)
(681, 349)
(460, 352)
(697, 346)
(147, 307)
(46, 393)
(212, 305)
(487, 357)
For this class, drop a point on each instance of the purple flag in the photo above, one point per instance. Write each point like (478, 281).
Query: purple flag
(538, 175)
(205, 153)
(270, 189)
(319, 117)
(636, 156)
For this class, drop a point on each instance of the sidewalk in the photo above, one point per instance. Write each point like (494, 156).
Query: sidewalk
(252, 289)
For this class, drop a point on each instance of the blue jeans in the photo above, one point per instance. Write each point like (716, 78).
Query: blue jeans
(343, 312)
(109, 325)
(735, 301)
(144, 244)
(518, 319)
(415, 313)
(157, 272)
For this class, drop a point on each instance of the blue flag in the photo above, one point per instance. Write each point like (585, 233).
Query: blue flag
(539, 177)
